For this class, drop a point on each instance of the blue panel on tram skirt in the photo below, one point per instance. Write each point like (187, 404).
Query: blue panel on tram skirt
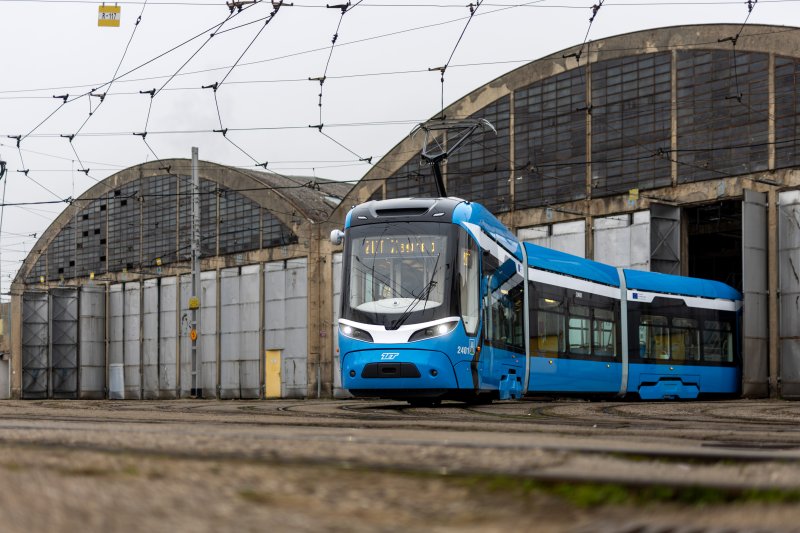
(574, 375)
(694, 379)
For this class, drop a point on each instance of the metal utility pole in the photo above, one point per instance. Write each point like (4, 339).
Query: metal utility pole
(194, 301)
(2, 212)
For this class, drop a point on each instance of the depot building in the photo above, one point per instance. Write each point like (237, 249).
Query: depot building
(674, 150)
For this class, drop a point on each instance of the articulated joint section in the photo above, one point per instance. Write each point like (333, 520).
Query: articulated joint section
(623, 313)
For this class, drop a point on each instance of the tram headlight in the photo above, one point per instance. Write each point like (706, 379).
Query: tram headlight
(355, 333)
(433, 331)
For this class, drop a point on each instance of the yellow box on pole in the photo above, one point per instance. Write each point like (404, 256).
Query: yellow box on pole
(108, 16)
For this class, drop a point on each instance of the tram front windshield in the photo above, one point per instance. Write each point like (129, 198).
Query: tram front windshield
(399, 273)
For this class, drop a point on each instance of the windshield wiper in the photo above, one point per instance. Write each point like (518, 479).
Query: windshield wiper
(424, 293)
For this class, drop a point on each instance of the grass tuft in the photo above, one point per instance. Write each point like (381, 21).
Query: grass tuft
(589, 495)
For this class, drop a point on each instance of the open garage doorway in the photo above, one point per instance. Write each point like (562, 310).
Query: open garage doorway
(714, 241)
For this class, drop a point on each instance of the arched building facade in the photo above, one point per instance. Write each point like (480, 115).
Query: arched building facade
(674, 150)
(104, 295)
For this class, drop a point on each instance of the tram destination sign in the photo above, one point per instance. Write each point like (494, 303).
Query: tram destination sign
(403, 245)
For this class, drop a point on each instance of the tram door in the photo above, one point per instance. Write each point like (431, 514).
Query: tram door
(502, 362)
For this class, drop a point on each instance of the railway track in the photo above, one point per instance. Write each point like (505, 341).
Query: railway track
(721, 448)
(694, 432)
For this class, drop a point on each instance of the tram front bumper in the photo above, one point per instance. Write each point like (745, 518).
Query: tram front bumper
(397, 369)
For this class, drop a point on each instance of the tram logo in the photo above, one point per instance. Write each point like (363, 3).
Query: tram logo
(389, 356)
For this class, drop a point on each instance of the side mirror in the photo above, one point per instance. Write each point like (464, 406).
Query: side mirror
(337, 236)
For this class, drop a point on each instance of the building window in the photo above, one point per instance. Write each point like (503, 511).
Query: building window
(631, 123)
(723, 112)
(550, 140)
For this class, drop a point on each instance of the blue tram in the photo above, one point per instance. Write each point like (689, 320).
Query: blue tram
(441, 301)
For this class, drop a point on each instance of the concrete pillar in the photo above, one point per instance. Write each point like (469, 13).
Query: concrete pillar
(326, 312)
(317, 288)
(16, 341)
(772, 288)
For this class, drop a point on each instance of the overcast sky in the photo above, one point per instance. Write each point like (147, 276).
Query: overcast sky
(378, 84)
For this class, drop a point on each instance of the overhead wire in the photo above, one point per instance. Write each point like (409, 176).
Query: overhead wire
(65, 100)
(119, 80)
(220, 125)
(668, 47)
(344, 10)
(443, 69)
(26, 172)
(116, 71)
(276, 4)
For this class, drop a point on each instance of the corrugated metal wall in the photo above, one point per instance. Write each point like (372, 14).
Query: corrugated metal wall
(240, 355)
(35, 344)
(569, 237)
(150, 345)
(131, 340)
(133, 334)
(116, 355)
(92, 345)
(208, 333)
(286, 318)
(167, 338)
(755, 319)
(623, 240)
(665, 239)
(64, 343)
(789, 276)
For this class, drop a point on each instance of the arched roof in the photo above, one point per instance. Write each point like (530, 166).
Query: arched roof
(499, 94)
(295, 202)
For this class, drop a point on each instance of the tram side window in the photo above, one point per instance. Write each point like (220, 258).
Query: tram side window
(685, 340)
(592, 326)
(549, 336)
(579, 337)
(603, 333)
(653, 337)
(717, 341)
(503, 321)
(468, 282)
(517, 323)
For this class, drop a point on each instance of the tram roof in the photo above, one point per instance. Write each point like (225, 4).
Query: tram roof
(685, 286)
(578, 267)
(572, 265)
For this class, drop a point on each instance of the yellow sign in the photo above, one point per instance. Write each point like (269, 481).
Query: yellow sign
(194, 302)
(108, 16)
(633, 194)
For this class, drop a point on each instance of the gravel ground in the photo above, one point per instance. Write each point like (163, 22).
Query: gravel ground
(362, 466)
(69, 490)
